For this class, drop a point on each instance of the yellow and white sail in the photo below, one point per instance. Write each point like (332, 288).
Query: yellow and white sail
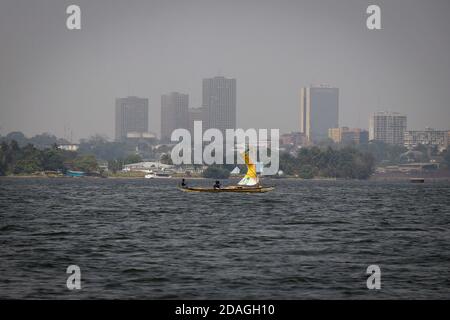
(251, 178)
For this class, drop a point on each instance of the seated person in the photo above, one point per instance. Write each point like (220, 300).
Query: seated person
(217, 184)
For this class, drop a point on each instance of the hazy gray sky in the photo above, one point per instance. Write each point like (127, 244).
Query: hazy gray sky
(51, 77)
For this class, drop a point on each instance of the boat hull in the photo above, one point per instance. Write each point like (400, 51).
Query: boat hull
(236, 189)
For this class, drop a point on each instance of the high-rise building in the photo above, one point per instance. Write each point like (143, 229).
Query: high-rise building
(348, 136)
(219, 100)
(319, 111)
(197, 114)
(131, 117)
(174, 113)
(427, 137)
(388, 127)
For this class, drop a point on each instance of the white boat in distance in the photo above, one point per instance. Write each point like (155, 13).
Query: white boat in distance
(158, 175)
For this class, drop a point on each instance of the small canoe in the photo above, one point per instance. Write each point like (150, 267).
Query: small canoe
(236, 189)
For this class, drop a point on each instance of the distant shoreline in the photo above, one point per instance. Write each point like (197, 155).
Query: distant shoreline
(375, 178)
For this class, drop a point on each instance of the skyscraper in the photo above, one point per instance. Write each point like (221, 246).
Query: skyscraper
(197, 114)
(174, 113)
(319, 111)
(219, 100)
(131, 117)
(388, 127)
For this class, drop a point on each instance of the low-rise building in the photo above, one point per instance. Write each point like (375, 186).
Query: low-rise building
(69, 147)
(294, 139)
(146, 166)
(427, 137)
(348, 136)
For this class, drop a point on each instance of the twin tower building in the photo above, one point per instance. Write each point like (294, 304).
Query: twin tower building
(218, 110)
(319, 111)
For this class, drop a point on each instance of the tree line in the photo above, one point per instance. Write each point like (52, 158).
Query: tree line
(347, 163)
(29, 159)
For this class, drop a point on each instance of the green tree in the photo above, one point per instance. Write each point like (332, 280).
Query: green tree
(306, 172)
(27, 166)
(115, 165)
(86, 163)
(216, 172)
(102, 149)
(27, 159)
(133, 158)
(347, 162)
(52, 159)
(166, 159)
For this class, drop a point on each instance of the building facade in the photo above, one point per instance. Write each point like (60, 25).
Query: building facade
(427, 137)
(131, 117)
(348, 136)
(319, 111)
(197, 114)
(219, 100)
(174, 113)
(388, 127)
(296, 139)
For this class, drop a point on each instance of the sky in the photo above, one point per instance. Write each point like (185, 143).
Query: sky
(52, 78)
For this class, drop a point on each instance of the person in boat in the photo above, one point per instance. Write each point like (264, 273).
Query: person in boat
(217, 184)
(183, 183)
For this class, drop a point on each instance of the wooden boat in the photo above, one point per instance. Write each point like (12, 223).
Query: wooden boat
(249, 184)
(236, 189)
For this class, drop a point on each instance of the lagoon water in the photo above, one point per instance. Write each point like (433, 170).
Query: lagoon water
(146, 239)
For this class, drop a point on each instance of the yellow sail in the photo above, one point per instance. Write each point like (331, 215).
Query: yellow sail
(251, 178)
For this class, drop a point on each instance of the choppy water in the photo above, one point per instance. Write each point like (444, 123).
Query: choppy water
(146, 239)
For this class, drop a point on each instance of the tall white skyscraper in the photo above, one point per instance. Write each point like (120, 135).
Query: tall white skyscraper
(319, 111)
(388, 127)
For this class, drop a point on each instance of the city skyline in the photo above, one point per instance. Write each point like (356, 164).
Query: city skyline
(180, 101)
(52, 78)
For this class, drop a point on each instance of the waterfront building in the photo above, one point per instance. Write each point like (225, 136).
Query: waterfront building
(388, 127)
(427, 137)
(348, 136)
(69, 147)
